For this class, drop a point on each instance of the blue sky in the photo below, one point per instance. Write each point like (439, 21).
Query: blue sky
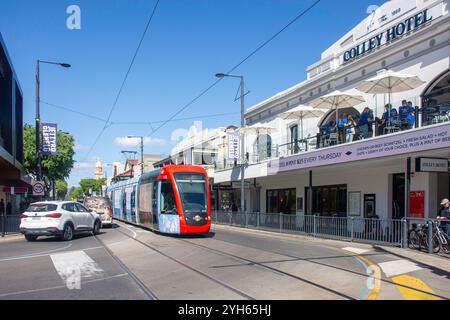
(187, 43)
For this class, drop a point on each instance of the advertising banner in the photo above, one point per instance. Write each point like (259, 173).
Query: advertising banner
(49, 139)
(426, 138)
(234, 145)
(417, 204)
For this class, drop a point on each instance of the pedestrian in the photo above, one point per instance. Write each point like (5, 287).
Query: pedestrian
(350, 129)
(8, 208)
(2, 207)
(234, 208)
(364, 124)
(444, 215)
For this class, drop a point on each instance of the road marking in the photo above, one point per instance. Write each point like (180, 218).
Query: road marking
(75, 262)
(398, 267)
(356, 250)
(34, 255)
(59, 287)
(415, 283)
(373, 284)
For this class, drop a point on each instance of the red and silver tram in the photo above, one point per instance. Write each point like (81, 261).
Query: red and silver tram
(174, 199)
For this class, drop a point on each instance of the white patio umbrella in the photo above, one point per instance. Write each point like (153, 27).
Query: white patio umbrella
(258, 127)
(337, 100)
(302, 112)
(388, 81)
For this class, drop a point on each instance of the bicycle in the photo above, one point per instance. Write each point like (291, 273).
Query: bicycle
(441, 237)
(418, 238)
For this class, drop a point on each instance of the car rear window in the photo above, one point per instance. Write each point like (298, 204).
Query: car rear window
(42, 207)
(97, 203)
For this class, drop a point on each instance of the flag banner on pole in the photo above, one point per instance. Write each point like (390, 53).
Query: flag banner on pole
(234, 145)
(49, 139)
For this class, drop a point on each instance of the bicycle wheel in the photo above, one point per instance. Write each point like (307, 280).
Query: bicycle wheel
(436, 244)
(414, 240)
(445, 247)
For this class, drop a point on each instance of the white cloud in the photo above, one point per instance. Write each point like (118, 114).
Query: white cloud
(135, 142)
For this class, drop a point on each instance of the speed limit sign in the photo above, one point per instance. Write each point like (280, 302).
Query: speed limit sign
(38, 188)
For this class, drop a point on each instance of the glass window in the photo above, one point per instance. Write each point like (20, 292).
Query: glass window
(281, 201)
(69, 207)
(41, 207)
(192, 189)
(168, 204)
(80, 208)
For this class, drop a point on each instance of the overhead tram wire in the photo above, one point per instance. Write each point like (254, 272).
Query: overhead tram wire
(111, 123)
(301, 14)
(124, 80)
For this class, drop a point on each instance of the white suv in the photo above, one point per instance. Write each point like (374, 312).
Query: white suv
(58, 218)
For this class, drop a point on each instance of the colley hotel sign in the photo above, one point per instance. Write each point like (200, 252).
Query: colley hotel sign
(395, 32)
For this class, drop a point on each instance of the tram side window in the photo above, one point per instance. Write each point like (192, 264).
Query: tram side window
(168, 205)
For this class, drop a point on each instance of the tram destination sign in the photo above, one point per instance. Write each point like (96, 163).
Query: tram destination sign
(426, 138)
(393, 33)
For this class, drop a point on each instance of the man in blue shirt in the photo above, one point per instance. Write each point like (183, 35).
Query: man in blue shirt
(405, 112)
(341, 125)
(364, 122)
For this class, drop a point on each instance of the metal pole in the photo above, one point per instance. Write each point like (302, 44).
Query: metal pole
(408, 187)
(142, 155)
(242, 148)
(38, 154)
(430, 236)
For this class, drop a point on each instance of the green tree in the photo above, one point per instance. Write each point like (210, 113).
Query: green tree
(61, 189)
(92, 185)
(76, 193)
(52, 167)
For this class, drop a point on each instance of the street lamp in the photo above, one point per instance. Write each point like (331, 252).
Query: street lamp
(223, 75)
(38, 114)
(142, 151)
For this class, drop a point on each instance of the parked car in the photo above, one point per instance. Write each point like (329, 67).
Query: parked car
(58, 218)
(102, 206)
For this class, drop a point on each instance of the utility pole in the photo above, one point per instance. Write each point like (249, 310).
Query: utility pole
(243, 160)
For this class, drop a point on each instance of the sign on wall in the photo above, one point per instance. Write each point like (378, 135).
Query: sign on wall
(354, 203)
(234, 145)
(431, 164)
(50, 139)
(427, 138)
(417, 204)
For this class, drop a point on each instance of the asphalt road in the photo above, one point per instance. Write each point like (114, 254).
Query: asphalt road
(127, 262)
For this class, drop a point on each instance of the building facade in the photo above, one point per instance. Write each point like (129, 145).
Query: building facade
(14, 184)
(390, 176)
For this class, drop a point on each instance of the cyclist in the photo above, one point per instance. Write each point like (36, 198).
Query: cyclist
(444, 215)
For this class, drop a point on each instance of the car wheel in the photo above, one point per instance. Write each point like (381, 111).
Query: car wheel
(30, 237)
(67, 232)
(96, 229)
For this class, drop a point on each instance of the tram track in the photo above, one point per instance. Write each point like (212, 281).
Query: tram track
(241, 259)
(311, 260)
(211, 278)
(263, 265)
(133, 277)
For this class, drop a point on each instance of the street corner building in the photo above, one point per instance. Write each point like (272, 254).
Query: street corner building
(375, 169)
(14, 184)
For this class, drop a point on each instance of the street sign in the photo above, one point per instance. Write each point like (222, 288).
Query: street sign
(38, 188)
(50, 139)
(234, 145)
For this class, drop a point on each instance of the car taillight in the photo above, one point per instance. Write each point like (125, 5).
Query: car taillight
(110, 212)
(53, 215)
(23, 216)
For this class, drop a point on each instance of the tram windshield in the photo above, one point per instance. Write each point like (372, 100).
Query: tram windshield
(192, 189)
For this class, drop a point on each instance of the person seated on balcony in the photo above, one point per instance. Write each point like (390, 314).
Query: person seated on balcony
(389, 118)
(350, 129)
(409, 121)
(341, 126)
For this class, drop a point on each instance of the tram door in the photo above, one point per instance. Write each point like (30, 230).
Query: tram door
(155, 209)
